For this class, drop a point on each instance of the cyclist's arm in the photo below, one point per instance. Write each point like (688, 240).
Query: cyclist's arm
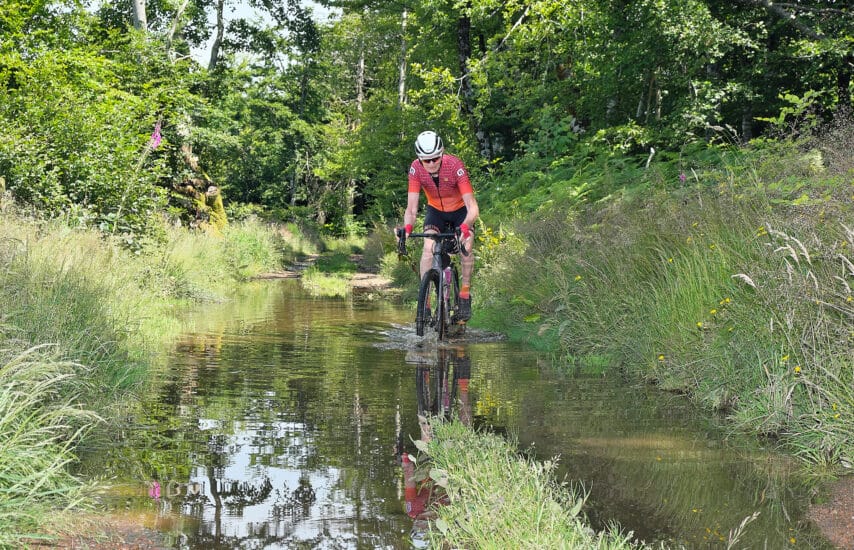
(411, 211)
(472, 210)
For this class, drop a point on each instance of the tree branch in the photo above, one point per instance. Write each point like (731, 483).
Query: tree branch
(513, 28)
(814, 9)
(777, 10)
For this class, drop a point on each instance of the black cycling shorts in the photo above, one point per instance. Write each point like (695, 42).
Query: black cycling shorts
(436, 220)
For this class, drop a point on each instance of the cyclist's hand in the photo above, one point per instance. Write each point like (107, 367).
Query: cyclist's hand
(401, 239)
(465, 230)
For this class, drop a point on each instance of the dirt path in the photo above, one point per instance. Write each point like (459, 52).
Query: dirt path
(835, 518)
(106, 533)
(364, 280)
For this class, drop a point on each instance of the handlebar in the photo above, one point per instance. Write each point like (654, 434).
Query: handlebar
(434, 235)
(401, 240)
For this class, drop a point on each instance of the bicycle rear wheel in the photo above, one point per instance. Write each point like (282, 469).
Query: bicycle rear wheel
(429, 315)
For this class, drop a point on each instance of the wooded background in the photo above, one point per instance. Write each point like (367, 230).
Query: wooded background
(316, 119)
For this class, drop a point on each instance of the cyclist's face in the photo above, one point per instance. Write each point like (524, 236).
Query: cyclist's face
(432, 165)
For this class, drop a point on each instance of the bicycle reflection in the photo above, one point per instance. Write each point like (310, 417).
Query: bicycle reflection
(442, 389)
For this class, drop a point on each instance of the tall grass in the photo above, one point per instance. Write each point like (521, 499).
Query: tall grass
(735, 289)
(71, 289)
(39, 424)
(106, 315)
(498, 499)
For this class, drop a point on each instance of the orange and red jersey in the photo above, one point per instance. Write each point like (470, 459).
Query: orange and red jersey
(447, 195)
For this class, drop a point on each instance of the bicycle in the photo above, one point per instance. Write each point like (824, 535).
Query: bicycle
(439, 293)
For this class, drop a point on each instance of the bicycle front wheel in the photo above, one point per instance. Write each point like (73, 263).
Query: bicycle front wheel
(429, 315)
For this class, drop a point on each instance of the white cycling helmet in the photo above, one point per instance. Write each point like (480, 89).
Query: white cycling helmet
(428, 145)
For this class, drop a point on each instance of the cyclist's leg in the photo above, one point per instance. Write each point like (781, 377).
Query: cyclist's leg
(433, 220)
(426, 256)
(463, 304)
(467, 262)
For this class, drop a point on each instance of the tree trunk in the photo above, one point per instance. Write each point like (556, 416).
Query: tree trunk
(294, 178)
(360, 84)
(401, 79)
(140, 21)
(220, 30)
(843, 83)
(173, 29)
(463, 55)
(746, 124)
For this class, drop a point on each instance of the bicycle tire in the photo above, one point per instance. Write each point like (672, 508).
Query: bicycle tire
(430, 315)
(454, 298)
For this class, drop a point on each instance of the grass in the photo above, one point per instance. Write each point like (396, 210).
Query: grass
(85, 321)
(735, 288)
(39, 425)
(499, 499)
(330, 275)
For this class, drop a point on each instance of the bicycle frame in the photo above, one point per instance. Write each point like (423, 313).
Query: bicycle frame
(440, 283)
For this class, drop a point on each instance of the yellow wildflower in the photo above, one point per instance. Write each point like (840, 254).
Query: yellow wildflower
(713, 312)
(661, 357)
(699, 324)
(578, 277)
(797, 369)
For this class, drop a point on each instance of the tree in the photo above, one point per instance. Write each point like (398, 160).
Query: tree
(140, 20)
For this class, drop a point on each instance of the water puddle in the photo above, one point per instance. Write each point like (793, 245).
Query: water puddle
(281, 421)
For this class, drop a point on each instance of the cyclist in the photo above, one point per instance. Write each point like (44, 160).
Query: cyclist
(450, 199)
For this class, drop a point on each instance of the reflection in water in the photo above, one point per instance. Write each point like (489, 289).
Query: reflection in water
(276, 422)
(441, 383)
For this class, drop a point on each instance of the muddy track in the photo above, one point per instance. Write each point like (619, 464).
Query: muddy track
(364, 280)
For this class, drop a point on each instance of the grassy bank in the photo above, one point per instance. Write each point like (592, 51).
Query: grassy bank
(726, 277)
(83, 320)
(498, 499)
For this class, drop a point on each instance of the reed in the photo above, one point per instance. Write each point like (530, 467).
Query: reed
(39, 425)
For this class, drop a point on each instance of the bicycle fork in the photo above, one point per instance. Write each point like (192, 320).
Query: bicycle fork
(446, 289)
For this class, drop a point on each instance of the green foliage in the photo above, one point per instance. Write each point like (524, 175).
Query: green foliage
(63, 156)
(251, 248)
(733, 288)
(798, 115)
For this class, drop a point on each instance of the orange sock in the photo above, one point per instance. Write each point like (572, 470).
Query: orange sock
(465, 292)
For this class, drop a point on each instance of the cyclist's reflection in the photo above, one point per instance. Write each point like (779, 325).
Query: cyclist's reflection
(441, 384)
